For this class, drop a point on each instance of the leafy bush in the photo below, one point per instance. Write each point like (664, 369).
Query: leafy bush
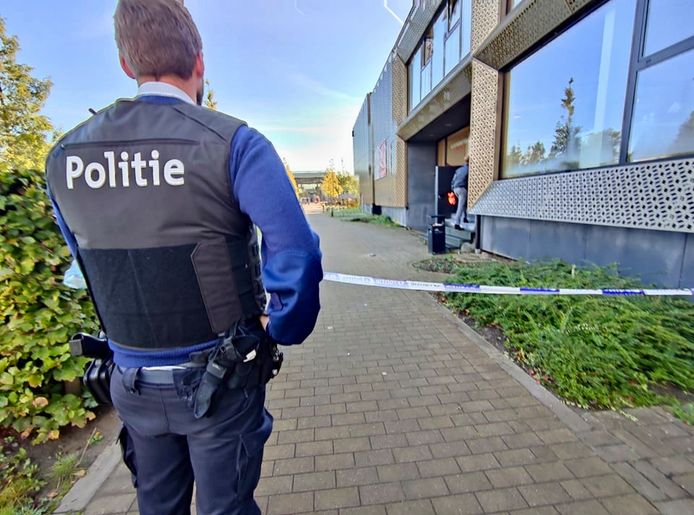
(38, 314)
(597, 352)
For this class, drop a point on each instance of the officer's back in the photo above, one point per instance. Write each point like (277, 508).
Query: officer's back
(158, 198)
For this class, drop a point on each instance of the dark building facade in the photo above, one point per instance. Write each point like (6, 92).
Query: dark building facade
(577, 116)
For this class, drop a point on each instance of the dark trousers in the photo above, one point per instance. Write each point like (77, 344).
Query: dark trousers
(167, 448)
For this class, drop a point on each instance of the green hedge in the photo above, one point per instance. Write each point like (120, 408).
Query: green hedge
(38, 313)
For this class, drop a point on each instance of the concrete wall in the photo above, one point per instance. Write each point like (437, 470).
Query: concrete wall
(421, 162)
(397, 214)
(663, 258)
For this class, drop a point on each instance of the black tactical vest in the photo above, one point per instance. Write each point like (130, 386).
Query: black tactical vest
(169, 257)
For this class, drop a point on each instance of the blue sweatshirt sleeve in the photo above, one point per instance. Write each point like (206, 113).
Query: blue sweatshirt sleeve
(67, 234)
(291, 254)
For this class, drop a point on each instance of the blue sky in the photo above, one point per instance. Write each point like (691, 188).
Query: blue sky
(297, 70)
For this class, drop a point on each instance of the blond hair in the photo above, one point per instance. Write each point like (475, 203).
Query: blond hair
(157, 37)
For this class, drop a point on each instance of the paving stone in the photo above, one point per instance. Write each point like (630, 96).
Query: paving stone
(505, 477)
(456, 505)
(413, 453)
(274, 485)
(377, 457)
(629, 505)
(477, 462)
(603, 486)
(549, 472)
(469, 482)
(450, 449)
(482, 445)
(334, 461)
(544, 493)
(351, 444)
(314, 448)
(397, 472)
(424, 437)
(591, 507)
(515, 457)
(501, 499)
(293, 466)
(410, 508)
(356, 477)
(575, 489)
(424, 488)
(336, 498)
(679, 507)
(364, 510)
(438, 467)
(314, 481)
(290, 504)
(116, 503)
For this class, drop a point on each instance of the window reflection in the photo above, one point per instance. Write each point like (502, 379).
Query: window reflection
(668, 22)
(663, 121)
(565, 103)
(415, 71)
(452, 49)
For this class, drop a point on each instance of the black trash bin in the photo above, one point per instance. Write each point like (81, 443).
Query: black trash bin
(436, 235)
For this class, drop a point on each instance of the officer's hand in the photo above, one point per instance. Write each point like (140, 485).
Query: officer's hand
(264, 321)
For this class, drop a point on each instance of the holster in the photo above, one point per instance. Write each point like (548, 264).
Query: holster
(97, 375)
(246, 360)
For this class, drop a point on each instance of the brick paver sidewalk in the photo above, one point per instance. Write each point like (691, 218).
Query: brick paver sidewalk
(394, 407)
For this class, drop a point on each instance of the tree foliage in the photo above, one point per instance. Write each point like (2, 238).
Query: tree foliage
(349, 184)
(292, 179)
(210, 102)
(37, 313)
(330, 186)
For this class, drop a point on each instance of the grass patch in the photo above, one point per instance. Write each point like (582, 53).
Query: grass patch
(354, 214)
(595, 352)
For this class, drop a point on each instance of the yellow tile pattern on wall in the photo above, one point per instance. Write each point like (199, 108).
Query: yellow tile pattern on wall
(483, 102)
(485, 82)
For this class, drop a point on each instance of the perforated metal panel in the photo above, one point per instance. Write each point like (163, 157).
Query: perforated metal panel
(646, 196)
(523, 28)
(485, 82)
(485, 17)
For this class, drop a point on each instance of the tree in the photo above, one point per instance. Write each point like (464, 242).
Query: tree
(684, 142)
(349, 183)
(514, 157)
(210, 101)
(292, 179)
(23, 129)
(38, 314)
(331, 185)
(565, 133)
(534, 154)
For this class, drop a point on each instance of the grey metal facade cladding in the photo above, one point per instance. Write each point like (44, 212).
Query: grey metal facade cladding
(415, 26)
(362, 153)
(665, 259)
(657, 195)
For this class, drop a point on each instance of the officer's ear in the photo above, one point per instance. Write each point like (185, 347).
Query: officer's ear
(126, 67)
(199, 69)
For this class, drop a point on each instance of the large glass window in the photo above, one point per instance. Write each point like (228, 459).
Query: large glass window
(452, 49)
(446, 42)
(415, 72)
(565, 103)
(440, 29)
(668, 22)
(663, 121)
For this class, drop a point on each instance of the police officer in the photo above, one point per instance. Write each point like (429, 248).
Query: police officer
(157, 198)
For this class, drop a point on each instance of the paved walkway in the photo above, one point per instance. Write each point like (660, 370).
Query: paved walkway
(394, 407)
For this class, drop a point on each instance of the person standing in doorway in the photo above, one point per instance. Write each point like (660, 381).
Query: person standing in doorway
(459, 187)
